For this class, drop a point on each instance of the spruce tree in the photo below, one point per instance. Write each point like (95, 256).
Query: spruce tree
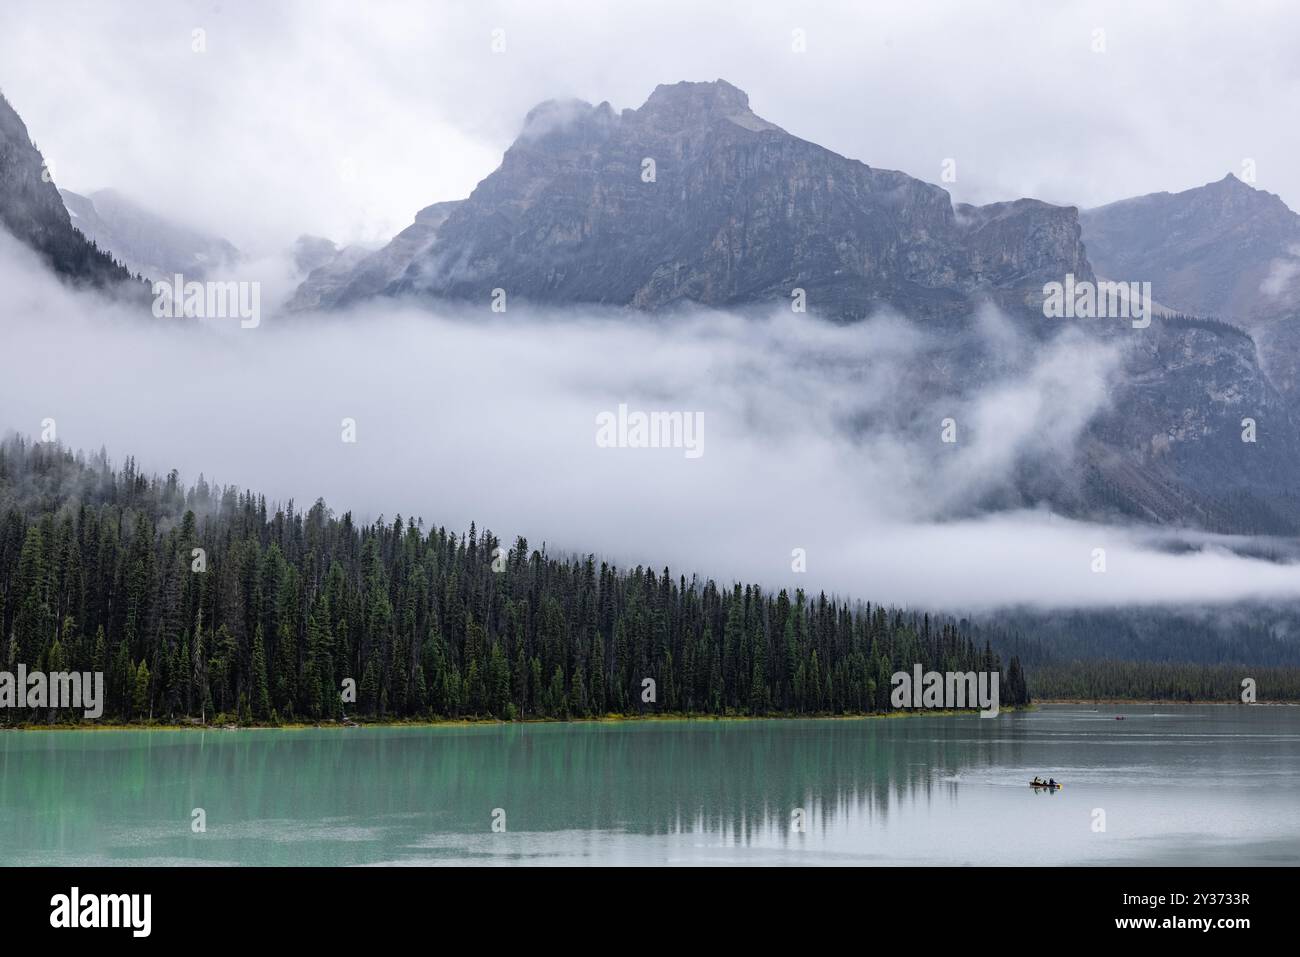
(261, 687)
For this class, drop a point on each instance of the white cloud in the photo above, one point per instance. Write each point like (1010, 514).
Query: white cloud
(820, 437)
(1280, 274)
(253, 138)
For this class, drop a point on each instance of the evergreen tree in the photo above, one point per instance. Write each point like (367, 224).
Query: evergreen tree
(261, 703)
(95, 575)
(140, 693)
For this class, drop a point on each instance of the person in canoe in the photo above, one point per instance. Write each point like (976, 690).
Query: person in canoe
(1038, 782)
(1051, 782)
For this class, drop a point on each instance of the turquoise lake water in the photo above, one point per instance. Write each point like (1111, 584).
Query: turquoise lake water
(1174, 785)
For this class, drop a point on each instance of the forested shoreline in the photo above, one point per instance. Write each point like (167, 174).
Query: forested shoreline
(205, 603)
(1106, 680)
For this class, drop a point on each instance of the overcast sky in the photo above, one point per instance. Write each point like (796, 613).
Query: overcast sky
(343, 119)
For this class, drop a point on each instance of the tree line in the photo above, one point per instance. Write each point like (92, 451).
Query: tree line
(206, 603)
(1105, 679)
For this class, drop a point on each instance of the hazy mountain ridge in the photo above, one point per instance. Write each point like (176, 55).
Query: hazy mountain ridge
(740, 213)
(352, 273)
(1223, 249)
(32, 210)
(737, 211)
(1173, 436)
(1208, 250)
(147, 243)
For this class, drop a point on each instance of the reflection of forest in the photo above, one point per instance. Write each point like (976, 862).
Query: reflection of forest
(324, 796)
(655, 777)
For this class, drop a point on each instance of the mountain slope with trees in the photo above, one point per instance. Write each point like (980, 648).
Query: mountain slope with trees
(33, 211)
(148, 244)
(98, 572)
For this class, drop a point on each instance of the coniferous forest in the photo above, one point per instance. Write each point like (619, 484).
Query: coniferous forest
(207, 604)
(1106, 679)
(286, 615)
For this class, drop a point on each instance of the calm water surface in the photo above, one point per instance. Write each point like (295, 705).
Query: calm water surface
(1177, 785)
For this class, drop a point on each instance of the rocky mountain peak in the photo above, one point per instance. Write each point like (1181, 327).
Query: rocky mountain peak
(692, 197)
(688, 98)
(565, 120)
(679, 107)
(1209, 250)
(1232, 194)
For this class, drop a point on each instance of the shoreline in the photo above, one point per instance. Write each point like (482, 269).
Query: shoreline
(476, 722)
(605, 719)
(1137, 702)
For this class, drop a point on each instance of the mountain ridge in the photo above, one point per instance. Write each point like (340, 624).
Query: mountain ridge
(693, 197)
(147, 243)
(1224, 249)
(32, 210)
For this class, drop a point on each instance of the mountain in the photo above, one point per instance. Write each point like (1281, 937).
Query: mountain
(1213, 250)
(734, 211)
(694, 198)
(32, 211)
(1169, 448)
(1224, 249)
(148, 244)
(312, 252)
(353, 273)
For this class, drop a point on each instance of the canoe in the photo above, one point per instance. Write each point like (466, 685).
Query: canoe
(1051, 787)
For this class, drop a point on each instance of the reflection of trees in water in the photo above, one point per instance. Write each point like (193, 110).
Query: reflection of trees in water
(731, 780)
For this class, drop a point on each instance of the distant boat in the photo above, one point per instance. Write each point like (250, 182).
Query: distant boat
(1043, 784)
(1119, 717)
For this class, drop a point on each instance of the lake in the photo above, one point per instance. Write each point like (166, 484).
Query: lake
(1171, 784)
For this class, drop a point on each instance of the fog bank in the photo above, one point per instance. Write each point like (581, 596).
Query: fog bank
(815, 437)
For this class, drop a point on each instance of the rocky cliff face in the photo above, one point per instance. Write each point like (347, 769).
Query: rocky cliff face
(695, 198)
(1171, 449)
(32, 210)
(352, 274)
(1224, 249)
(1212, 250)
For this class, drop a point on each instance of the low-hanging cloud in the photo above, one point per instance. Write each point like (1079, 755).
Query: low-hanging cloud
(1281, 273)
(820, 437)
